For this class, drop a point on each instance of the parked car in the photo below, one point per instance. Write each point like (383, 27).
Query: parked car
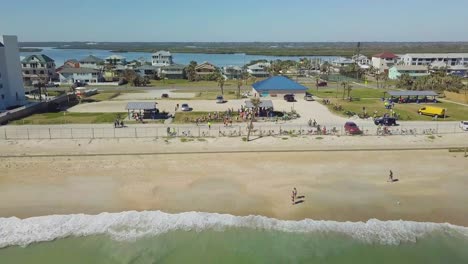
(352, 129)
(185, 108)
(51, 84)
(289, 98)
(464, 125)
(385, 121)
(165, 95)
(308, 97)
(432, 111)
(322, 83)
(220, 99)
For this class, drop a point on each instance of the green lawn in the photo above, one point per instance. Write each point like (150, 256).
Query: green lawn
(190, 117)
(355, 92)
(455, 112)
(68, 118)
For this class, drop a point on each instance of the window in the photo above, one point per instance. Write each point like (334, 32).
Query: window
(1, 86)
(26, 72)
(34, 71)
(41, 72)
(3, 96)
(24, 65)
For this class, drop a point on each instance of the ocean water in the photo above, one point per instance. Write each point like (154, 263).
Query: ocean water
(61, 55)
(157, 237)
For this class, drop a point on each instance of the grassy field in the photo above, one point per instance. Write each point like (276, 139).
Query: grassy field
(68, 118)
(356, 92)
(190, 117)
(407, 112)
(187, 83)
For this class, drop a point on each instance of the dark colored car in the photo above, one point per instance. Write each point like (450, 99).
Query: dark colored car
(322, 83)
(352, 128)
(385, 121)
(165, 95)
(289, 98)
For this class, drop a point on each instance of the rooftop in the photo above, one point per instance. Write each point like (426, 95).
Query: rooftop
(78, 70)
(141, 106)
(91, 59)
(162, 53)
(278, 83)
(412, 93)
(40, 57)
(263, 104)
(385, 55)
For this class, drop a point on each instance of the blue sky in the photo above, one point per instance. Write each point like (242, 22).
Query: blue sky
(235, 20)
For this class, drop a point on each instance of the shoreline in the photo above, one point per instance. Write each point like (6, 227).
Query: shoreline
(75, 176)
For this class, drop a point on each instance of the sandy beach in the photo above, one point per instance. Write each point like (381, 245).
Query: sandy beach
(44, 178)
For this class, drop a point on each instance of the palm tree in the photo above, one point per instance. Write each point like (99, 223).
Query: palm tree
(256, 104)
(239, 85)
(191, 73)
(349, 88)
(221, 83)
(344, 84)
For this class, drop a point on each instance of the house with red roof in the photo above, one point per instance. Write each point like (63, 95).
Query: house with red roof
(384, 61)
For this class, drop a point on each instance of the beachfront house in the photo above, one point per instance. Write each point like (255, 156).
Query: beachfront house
(205, 69)
(92, 62)
(384, 61)
(161, 58)
(11, 81)
(259, 70)
(413, 71)
(115, 60)
(38, 68)
(276, 86)
(232, 72)
(174, 71)
(79, 75)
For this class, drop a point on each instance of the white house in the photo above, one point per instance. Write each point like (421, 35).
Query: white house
(116, 60)
(38, 68)
(161, 58)
(450, 59)
(11, 81)
(342, 62)
(259, 69)
(362, 61)
(232, 72)
(384, 61)
(80, 75)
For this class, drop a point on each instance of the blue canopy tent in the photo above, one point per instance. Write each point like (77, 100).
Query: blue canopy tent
(278, 85)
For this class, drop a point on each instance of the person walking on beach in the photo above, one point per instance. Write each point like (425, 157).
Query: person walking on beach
(390, 176)
(209, 125)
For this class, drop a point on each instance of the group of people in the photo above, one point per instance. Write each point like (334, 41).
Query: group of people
(137, 116)
(118, 123)
(295, 198)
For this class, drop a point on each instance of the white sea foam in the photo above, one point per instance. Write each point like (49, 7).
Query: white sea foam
(133, 225)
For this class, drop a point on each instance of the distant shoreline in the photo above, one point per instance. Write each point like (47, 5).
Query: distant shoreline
(265, 48)
(30, 50)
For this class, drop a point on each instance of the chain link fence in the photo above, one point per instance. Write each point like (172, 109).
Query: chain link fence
(259, 130)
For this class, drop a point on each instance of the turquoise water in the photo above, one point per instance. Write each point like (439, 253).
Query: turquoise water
(61, 55)
(239, 246)
(195, 237)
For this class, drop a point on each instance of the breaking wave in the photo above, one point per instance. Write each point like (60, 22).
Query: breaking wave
(133, 225)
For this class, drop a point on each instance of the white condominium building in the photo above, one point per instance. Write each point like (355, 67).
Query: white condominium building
(450, 59)
(11, 81)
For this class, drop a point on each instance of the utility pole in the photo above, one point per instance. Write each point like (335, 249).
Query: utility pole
(358, 51)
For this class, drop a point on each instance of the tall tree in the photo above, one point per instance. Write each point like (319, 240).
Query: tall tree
(191, 73)
(221, 82)
(239, 85)
(256, 104)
